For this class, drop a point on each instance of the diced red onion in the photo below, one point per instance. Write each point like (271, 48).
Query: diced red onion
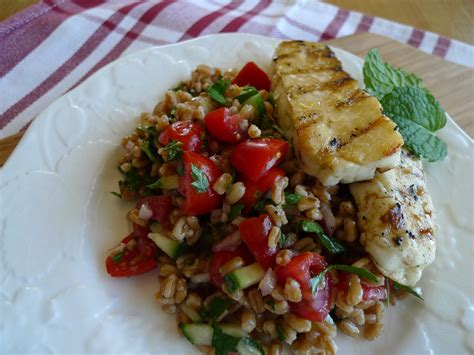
(328, 217)
(229, 243)
(268, 283)
(145, 212)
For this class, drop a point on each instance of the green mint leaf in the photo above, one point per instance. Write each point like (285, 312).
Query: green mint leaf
(246, 93)
(200, 183)
(366, 274)
(408, 289)
(223, 343)
(251, 345)
(216, 308)
(282, 240)
(415, 104)
(292, 199)
(119, 195)
(235, 211)
(117, 257)
(133, 180)
(420, 141)
(381, 78)
(217, 91)
(172, 151)
(331, 244)
(260, 205)
(281, 334)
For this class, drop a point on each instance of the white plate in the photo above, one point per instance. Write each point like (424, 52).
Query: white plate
(58, 219)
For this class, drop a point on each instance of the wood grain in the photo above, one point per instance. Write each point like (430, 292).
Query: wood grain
(452, 84)
(451, 18)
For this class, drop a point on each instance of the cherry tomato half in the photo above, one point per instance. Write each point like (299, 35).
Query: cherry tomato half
(254, 232)
(254, 158)
(302, 268)
(252, 75)
(199, 202)
(138, 257)
(188, 133)
(225, 126)
(221, 257)
(255, 190)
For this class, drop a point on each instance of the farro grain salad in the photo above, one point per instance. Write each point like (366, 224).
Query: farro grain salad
(278, 209)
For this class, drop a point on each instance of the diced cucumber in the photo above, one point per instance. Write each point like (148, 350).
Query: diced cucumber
(257, 102)
(165, 183)
(246, 93)
(201, 334)
(171, 247)
(191, 313)
(249, 346)
(233, 329)
(244, 277)
(155, 227)
(198, 334)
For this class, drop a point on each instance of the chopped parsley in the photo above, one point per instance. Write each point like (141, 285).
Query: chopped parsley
(200, 183)
(217, 91)
(331, 244)
(235, 211)
(172, 151)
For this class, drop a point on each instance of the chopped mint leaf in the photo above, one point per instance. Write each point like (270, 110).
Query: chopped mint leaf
(117, 257)
(223, 343)
(172, 150)
(119, 195)
(315, 281)
(292, 199)
(217, 91)
(331, 244)
(235, 211)
(200, 183)
(282, 240)
(398, 286)
(147, 148)
(381, 78)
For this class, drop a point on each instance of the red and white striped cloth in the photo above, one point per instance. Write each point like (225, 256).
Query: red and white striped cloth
(50, 47)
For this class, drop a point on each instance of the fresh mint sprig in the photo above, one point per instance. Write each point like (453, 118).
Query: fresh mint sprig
(411, 106)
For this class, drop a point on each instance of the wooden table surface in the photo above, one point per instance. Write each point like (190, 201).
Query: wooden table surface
(452, 84)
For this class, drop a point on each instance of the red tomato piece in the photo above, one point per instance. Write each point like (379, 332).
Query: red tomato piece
(196, 202)
(254, 232)
(139, 256)
(302, 268)
(188, 133)
(252, 75)
(140, 231)
(254, 158)
(255, 190)
(221, 257)
(161, 206)
(224, 126)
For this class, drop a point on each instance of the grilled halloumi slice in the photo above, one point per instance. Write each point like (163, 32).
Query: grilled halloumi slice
(396, 220)
(338, 131)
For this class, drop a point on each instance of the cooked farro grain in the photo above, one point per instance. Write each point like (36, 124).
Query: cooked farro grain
(248, 320)
(222, 184)
(278, 190)
(236, 192)
(256, 301)
(355, 291)
(254, 131)
(283, 257)
(299, 324)
(372, 331)
(274, 237)
(350, 230)
(277, 214)
(348, 328)
(231, 265)
(292, 290)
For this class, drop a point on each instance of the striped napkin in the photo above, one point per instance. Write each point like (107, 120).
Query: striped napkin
(51, 46)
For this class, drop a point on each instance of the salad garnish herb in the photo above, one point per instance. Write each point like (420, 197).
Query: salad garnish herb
(217, 91)
(315, 281)
(411, 106)
(172, 151)
(331, 244)
(200, 183)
